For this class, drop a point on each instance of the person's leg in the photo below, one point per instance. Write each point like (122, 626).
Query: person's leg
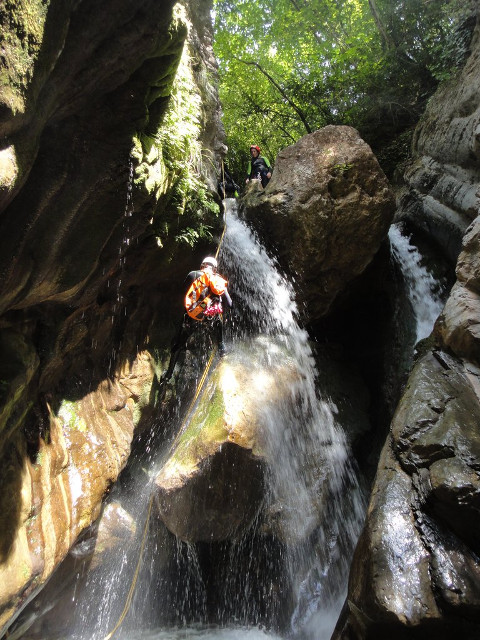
(178, 343)
(218, 327)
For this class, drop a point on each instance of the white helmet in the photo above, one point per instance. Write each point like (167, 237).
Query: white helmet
(211, 261)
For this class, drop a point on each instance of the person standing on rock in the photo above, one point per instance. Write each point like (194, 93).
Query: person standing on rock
(259, 167)
(206, 291)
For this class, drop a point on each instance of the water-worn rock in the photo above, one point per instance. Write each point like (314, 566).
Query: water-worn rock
(325, 213)
(90, 182)
(442, 191)
(61, 478)
(415, 571)
(458, 326)
(212, 485)
(415, 567)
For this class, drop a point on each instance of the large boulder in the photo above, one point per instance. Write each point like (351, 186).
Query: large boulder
(212, 486)
(324, 213)
(415, 568)
(441, 194)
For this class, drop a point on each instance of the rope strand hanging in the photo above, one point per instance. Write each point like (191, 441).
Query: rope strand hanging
(198, 390)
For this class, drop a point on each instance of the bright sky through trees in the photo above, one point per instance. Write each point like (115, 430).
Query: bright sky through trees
(288, 67)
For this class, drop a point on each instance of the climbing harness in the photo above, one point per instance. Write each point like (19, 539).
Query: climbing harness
(198, 298)
(200, 384)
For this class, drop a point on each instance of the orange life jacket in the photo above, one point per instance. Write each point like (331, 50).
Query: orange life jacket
(199, 294)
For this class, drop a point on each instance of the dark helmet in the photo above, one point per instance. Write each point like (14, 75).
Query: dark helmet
(255, 146)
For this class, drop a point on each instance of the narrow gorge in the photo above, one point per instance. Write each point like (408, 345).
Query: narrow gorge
(321, 480)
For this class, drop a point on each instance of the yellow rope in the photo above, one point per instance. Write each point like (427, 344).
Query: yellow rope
(135, 575)
(190, 408)
(137, 570)
(221, 240)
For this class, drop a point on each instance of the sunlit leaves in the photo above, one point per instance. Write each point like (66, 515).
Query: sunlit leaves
(291, 66)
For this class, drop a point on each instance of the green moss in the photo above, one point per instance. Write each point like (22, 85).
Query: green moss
(25, 571)
(70, 418)
(170, 157)
(22, 23)
(40, 458)
(341, 168)
(206, 427)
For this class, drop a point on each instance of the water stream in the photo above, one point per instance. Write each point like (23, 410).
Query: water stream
(291, 585)
(425, 293)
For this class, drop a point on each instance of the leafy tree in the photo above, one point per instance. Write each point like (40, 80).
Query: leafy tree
(288, 67)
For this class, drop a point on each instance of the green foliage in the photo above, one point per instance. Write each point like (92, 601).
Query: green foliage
(171, 161)
(21, 28)
(341, 168)
(288, 67)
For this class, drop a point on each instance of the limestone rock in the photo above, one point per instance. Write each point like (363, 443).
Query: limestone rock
(115, 529)
(442, 194)
(415, 562)
(324, 213)
(458, 327)
(212, 484)
(390, 580)
(86, 201)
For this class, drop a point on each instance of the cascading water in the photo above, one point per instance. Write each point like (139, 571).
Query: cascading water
(426, 293)
(303, 436)
(313, 495)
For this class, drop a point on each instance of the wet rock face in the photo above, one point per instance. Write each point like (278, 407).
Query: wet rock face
(442, 194)
(324, 213)
(85, 195)
(212, 486)
(415, 571)
(459, 324)
(415, 566)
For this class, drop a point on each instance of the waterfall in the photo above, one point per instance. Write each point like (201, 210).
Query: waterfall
(267, 312)
(312, 487)
(426, 294)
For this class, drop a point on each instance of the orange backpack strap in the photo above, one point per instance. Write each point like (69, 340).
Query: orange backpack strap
(197, 298)
(217, 284)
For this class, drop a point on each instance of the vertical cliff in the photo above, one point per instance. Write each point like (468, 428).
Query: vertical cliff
(110, 147)
(440, 193)
(415, 571)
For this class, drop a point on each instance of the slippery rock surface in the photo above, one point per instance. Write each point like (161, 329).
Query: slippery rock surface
(459, 324)
(415, 569)
(53, 486)
(442, 191)
(212, 485)
(98, 103)
(324, 213)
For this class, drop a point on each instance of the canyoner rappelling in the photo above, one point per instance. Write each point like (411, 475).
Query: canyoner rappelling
(206, 294)
(232, 508)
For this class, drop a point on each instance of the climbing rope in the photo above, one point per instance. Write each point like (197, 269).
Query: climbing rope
(198, 390)
(131, 591)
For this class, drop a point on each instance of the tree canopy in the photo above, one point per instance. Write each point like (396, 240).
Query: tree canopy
(289, 67)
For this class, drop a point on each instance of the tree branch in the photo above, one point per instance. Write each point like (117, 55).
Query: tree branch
(281, 91)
